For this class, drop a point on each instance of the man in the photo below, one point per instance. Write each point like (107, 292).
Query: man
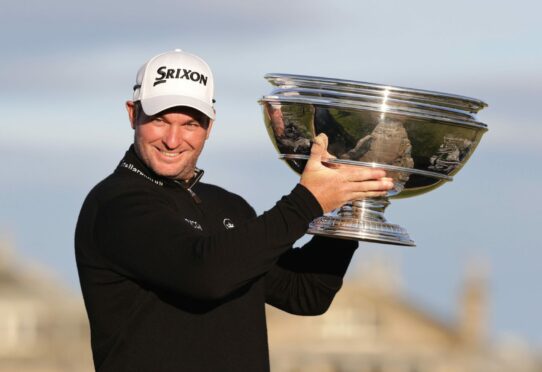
(174, 272)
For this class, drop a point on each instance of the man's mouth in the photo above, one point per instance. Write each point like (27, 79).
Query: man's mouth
(169, 154)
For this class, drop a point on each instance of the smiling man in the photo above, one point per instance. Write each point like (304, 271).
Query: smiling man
(169, 143)
(175, 272)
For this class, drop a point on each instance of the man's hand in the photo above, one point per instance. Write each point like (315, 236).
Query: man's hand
(337, 185)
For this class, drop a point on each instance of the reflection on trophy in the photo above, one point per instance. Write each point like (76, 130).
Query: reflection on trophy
(421, 138)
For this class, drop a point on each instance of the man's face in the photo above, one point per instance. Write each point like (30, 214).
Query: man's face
(170, 142)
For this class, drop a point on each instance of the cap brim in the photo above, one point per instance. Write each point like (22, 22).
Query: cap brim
(154, 105)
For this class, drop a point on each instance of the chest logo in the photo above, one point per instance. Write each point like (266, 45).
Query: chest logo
(194, 224)
(228, 224)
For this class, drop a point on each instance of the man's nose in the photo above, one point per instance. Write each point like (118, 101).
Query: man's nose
(173, 136)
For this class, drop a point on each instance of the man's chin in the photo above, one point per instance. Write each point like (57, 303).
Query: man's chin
(174, 174)
(171, 175)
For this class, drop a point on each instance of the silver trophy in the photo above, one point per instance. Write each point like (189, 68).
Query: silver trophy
(421, 138)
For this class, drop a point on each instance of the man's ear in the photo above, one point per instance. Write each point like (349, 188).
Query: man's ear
(209, 127)
(130, 107)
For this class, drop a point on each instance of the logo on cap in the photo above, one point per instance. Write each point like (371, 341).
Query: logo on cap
(165, 73)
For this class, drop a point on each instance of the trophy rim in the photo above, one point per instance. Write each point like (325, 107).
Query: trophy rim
(379, 108)
(307, 81)
(389, 167)
(373, 100)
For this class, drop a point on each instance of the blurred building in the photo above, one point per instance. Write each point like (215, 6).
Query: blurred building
(372, 327)
(43, 326)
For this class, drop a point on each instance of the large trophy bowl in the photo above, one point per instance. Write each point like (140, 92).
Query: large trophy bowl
(420, 138)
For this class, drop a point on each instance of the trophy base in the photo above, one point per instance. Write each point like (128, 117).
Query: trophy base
(361, 220)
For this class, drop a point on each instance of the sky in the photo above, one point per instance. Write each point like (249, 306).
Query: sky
(68, 67)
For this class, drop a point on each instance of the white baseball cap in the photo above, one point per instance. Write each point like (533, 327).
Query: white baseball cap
(175, 78)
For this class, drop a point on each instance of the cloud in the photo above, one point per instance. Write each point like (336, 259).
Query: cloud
(46, 27)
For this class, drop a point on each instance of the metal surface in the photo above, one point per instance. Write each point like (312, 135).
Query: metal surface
(370, 165)
(421, 138)
(285, 81)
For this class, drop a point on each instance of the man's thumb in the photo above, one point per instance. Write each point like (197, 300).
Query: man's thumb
(318, 150)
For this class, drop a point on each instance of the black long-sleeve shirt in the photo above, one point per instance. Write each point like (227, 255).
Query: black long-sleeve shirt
(174, 281)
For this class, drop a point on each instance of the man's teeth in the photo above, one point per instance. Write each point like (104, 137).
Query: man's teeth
(169, 154)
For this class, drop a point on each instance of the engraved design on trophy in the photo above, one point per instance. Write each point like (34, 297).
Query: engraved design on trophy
(421, 138)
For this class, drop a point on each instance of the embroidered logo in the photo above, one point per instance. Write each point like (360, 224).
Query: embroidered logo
(194, 224)
(180, 73)
(228, 224)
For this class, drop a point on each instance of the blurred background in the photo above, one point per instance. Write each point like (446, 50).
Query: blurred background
(472, 279)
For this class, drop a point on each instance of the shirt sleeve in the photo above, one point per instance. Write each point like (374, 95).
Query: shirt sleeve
(139, 233)
(305, 280)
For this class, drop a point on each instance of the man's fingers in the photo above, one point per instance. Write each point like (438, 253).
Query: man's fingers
(333, 184)
(359, 174)
(367, 186)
